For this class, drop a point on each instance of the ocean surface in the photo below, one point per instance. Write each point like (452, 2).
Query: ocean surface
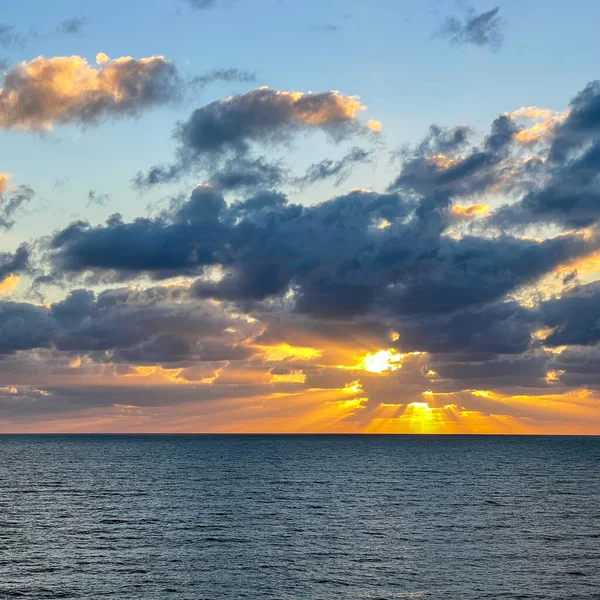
(303, 517)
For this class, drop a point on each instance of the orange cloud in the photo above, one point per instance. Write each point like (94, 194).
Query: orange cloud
(469, 212)
(441, 161)
(4, 177)
(66, 89)
(312, 109)
(373, 125)
(547, 121)
(8, 284)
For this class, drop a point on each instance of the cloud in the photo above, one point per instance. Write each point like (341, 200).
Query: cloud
(227, 75)
(71, 26)
(351, 267)
(267, 306)
(13, 263)
(573, 317)
(250, 173)
(8, 284)
(483, 29)
(230, 130)
(202, 4)
(562, 186)
(98, 198)
(468, 212)
(439, 169)
(47, 91)
(126, 326)
(338, 170)
(544, 123)
(10, 38)
(12, 200)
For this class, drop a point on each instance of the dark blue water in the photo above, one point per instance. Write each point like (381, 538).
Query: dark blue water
(305, 517)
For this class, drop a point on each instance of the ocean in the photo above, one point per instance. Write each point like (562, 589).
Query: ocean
(303, 517)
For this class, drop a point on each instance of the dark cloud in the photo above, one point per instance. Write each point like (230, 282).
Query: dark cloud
(581, 127)
(501, 328)
(98, 198)
(338, 170)
(527, 370)
(71, 26)
(476, 270)
(126, 326)
(230, 130)
(483, 29)
(574, 317)
(440, 140)
(368, 252)
(11, 202)
(227, 75)
(564, 189)
(437, 171)
(577, 367)
(251, 174)
(15, 262)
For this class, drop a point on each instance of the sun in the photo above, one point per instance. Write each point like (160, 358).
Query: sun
(384, 360)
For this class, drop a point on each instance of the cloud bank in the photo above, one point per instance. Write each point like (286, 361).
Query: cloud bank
(461, 297)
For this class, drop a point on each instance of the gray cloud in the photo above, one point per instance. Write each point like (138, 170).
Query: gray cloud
(126, 326)
(574, 317)
(10, 38)
(483, 29)
(338, 170)
(202, 4)
(227, 75)
(564, 188)
(230, 130)
(352, 265)
(71, 26)
(11, 202)
(15, 262)
(97, 198)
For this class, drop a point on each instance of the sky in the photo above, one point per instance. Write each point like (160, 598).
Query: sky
(265, 216)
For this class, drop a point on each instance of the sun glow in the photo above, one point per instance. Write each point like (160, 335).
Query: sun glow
(384, 360)
(287, 352)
